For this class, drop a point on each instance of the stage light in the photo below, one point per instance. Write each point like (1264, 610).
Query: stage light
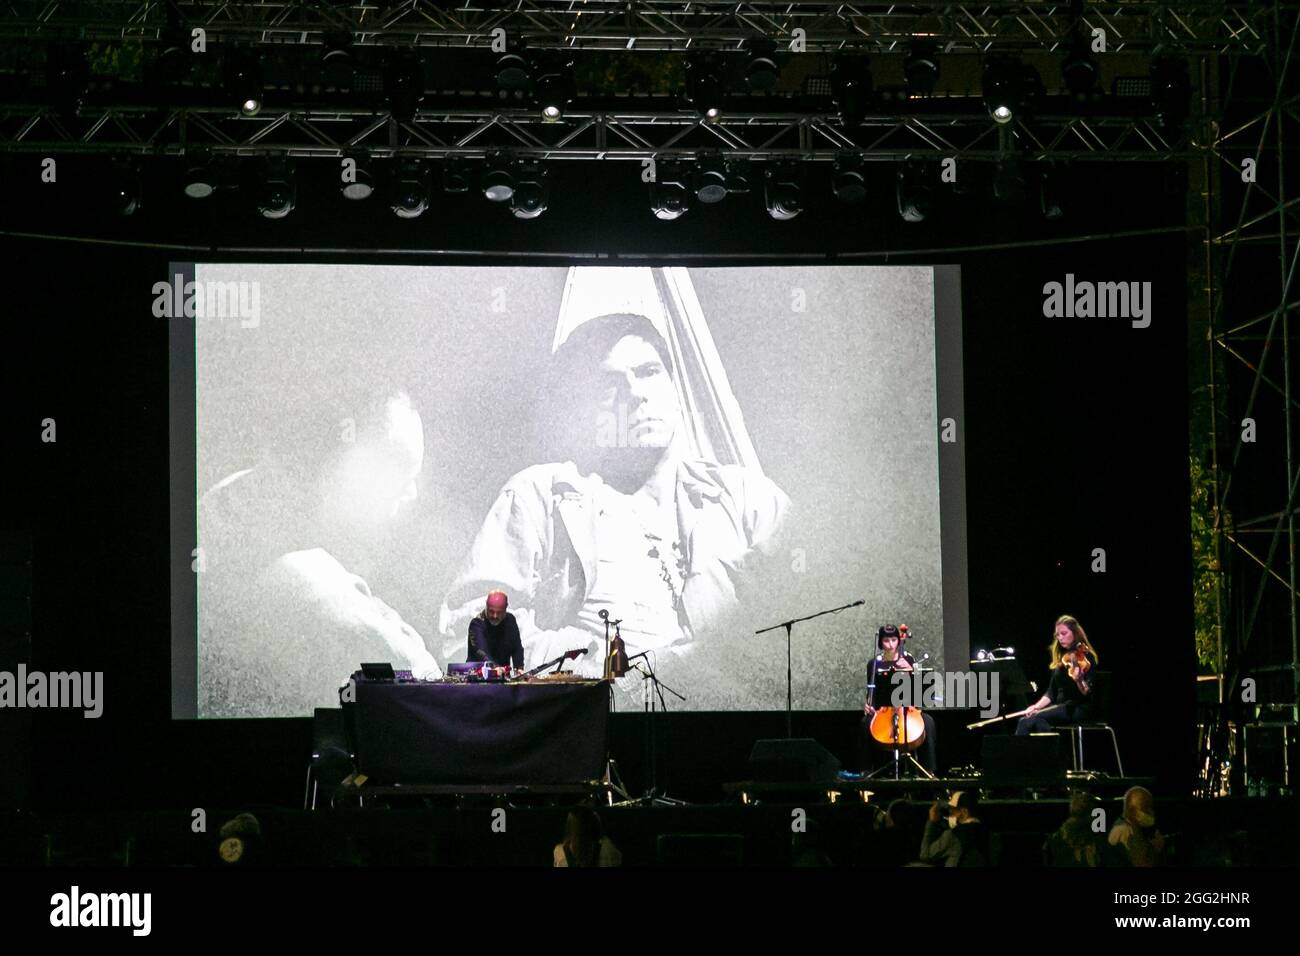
(847, 179)
(455, 175)
(1079, 68)
(921, 67)
(363, 185)
(1169, 92)
(711, 179)
(498, 181)
(124, 191)
(783, 190)
(851, 88)
(276, 189)
(554, 93)
(761, 72)
(244, 80)
(403, 84)
(410, 188)
(915, 192)
(1002, 93)
(200, 177)
(1051, 192)
(513, 71)
(530, 195)
(669, 197)
(704, 86)
(173, 64)
(338, 65)
(1009, 182)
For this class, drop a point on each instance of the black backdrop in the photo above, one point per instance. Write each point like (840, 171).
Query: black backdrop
(1075, 436)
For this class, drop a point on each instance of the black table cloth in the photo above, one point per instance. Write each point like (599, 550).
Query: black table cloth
(508, 734)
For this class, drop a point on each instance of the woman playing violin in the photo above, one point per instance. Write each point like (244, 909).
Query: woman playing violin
(1074, 663)
(892, 657)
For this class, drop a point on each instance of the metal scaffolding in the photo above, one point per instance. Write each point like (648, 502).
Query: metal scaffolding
(614, 135)
(1191, 26)
(1245, 391)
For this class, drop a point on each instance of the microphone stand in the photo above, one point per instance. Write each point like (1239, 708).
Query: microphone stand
(657, 688)
(789, 667)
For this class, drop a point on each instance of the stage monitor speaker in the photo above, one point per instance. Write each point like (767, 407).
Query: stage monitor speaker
(1032, 760)
(801, 760)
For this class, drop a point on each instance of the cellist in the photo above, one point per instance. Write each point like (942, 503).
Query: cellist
(1074, 664)
(892, 656)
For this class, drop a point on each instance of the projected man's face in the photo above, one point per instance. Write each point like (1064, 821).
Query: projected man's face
(376, 476)
(633, 377)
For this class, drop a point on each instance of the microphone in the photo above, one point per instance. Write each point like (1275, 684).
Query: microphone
(604, 615)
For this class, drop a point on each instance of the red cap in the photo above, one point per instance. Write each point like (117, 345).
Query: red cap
(497, 600)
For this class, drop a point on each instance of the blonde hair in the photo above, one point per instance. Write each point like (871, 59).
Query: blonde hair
(1081, 641)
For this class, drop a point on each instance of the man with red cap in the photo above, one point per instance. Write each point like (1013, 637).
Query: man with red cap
(494, 634)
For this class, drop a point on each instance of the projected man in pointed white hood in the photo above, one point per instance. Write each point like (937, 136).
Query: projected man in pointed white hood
(626, 522)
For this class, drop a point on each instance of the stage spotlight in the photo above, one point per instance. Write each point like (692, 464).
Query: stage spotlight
(669, 197)
(455, 175)
(761, 72)
(1051, 192)
(554, 93)
(244, 80)
(276, 189)
(851, 88)
(173, 64)
(403, 84)
(1079, 68)
(124, 191)
(921, 67)
(915, 192)
(1170, 90)
(513, 71)
(498, 180)
(363, 185)
(1009, 182)
(847, 179)
(783, 190)
(200, 177)
(338, 65)
(704, 86)
(711, 178)
(530, 195)
(1002, 95)
(410, 188)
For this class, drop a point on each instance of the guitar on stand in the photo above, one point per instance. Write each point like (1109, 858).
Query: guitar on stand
(566, 656)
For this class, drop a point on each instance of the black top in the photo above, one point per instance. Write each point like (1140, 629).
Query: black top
(497, 643)
(1063, 690)
(874, 668)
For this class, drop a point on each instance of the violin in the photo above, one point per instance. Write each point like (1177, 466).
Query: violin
(1077, 663)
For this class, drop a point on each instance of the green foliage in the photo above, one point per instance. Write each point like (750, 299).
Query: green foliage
(607, 74)
(1207, 571)
(120, 60)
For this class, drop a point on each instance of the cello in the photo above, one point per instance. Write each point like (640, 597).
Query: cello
(898, 727)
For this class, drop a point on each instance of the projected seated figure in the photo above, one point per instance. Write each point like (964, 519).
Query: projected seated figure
(282, 622)
(631, 525)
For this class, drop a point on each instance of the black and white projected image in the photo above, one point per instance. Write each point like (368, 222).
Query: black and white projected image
(696, 453)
